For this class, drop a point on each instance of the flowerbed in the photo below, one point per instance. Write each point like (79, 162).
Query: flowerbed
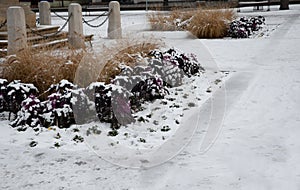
(116, 103)
(208, 23)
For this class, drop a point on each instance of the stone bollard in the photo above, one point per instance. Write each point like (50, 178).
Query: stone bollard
(76, 37)
(45, 13)
(114, 22)
(16, 30)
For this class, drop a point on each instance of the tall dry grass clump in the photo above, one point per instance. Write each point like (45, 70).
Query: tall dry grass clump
(169, 21)
(105, 65)
(210, 23)
(47, 67)
(203, 23)
(42, 68)
(127, 52)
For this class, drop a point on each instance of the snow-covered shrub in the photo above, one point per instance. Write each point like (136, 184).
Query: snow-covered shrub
(63, 87)
(151, 81)
(30, 115)
(3, 95)
(16, 93)
(130, 78)
(244, 27)
(187, 63)
(237, 29)
(167, 70)
(103, 101)
(144, 83)
(150, 89)
(58, 107)
(56, 110)
(83, 105)
(112, 104)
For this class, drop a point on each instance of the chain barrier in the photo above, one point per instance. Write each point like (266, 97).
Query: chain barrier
(59, 16)
(3, 24)
(96, 26)
(54, 34)
(97, 17)
(87, 22)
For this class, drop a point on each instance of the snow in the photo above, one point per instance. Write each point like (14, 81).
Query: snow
(2, 81)
(241, 135)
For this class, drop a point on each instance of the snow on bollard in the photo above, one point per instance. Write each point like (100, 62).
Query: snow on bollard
(76, 38)
(16, 30)
(45, 13)
(114, 22)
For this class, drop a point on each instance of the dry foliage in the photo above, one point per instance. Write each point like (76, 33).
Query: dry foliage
(164, 21)
(211, 23)
(42, 68)
(49, 66)
(127, 52)
(203, 23)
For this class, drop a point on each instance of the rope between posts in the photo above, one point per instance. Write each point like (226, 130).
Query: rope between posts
(96, 26)
(3, 24)
(54, 34)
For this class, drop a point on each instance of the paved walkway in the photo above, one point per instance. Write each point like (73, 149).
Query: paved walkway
(259, 142)
(258, 147)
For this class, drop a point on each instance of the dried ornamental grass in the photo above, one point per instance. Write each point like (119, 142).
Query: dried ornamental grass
(49, 66)
(210, 23)
(203, 23)
(42, 68)
(169, 21)
(125, 52)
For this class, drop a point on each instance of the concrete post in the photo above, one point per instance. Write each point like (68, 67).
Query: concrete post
(114, 22)
(45, 13)
(29, 15)
(16, 30)
(76, 37)
(284, 5)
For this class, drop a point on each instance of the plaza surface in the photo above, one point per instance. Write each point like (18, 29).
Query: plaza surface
(253, 123)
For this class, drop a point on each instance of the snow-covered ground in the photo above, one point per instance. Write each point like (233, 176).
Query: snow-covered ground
(243, 135)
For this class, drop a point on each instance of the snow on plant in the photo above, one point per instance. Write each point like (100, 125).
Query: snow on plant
(58, 107)
(147, 90)
(3, 95)
(144, 83)
(63, 87)
(30, 115)
(112, 103)
(151, 80)
(245, 27)
(16, 93)
(83, 105)
(188, 63)
(56, 110)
